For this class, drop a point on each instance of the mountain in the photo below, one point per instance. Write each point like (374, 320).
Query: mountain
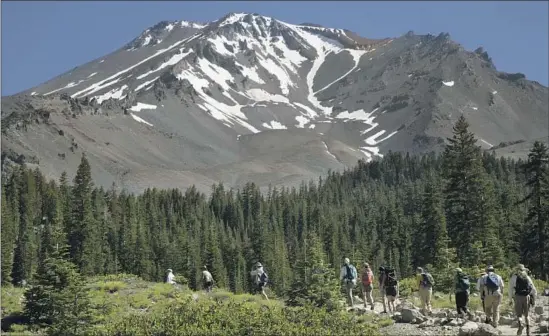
(252, 98)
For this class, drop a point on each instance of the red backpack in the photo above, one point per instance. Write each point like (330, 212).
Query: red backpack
(367, 277)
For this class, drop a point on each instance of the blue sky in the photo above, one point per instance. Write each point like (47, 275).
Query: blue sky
(41, 40)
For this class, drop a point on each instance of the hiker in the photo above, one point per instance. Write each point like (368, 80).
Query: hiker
(492, 287)
(260, 278)
(425, 283)
(391, 288)
(367, 285)
(462, 292)
(522, 292)
(479, 288)
(170, 278)
(207, 279)
(348, 275)
(381, 282)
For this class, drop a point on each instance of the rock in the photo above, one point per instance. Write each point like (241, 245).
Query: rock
(544, 327)
(468, 329)
(408, 315)
(397, 317)
(441, 314)
(505, 320)
(515, 324)
(486, 330)
(358, 300)
(538, 310)
(426, 324)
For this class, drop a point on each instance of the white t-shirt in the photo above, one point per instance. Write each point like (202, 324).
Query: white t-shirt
(171, 278)
(207, 276)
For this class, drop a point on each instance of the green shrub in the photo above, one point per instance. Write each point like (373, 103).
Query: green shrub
(209, 317)
(111, 286)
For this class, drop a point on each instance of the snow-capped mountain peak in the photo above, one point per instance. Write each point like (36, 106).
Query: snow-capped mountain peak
(247, 80)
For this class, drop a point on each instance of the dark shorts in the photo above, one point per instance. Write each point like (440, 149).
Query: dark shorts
(260, 286)
(390, 291)
(208, 284)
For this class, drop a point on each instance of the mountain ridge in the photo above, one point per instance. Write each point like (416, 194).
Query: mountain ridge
(203, 97)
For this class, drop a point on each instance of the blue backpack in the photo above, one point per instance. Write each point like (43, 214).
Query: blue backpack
(350, 273)
(492, 282)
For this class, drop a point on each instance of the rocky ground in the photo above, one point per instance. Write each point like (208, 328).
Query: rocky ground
(410, 321)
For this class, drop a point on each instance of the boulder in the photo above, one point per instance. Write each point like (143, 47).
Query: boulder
(427, 324)
(505, 320)
(408, 315)
(538, 310)
(468, 329)
(397, 317)
(544, 327)
(486, 330)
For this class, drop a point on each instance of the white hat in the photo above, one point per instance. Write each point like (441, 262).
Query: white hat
(347, 260)
(170, 270)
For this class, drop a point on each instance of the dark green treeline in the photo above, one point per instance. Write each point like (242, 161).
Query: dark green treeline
(464, 205)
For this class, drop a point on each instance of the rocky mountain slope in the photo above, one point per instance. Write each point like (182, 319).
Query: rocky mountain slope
(252, 98)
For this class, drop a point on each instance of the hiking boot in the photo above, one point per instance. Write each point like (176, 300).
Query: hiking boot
(520, 328)
(372, 308)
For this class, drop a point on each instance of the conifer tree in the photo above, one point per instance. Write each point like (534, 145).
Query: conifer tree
(465, 193)
(57, 297)
(314, 280)
(536, 241)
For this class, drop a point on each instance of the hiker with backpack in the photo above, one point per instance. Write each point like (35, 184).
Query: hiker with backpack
(391, 288)
(170, 278)
(260, 279)
(462, 292)
(522, 292)
(425, 288)
(479, 288)
(349, 276)
(492, 287)
(207, 279)
(367, 278)
(381, 281)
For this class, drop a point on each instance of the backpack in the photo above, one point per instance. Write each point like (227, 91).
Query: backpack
(522, 286)
(261, 278)
(463, 282)
(427, 280)
(492, 282)
(367, 278)
(390, 278)
(350, 273)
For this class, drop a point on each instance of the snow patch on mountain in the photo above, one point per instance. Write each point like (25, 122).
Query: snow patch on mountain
(91, 75)
(142, 106)
(356, 54)
(328, 150)
(262, 95)
(142, 85)
(141, 120)
(450, 83)
(273, 124)
(358, 115)
(229, 114)
(302, 121)
(105, 82)
(172, 61)
(112, 94)
(310, 112)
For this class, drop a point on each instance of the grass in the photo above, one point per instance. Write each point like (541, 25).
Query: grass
(123, 297)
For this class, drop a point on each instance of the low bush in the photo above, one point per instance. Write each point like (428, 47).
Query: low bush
(229, 317)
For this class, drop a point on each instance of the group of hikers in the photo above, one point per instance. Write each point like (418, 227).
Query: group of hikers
(258, 275)
(490, 285)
